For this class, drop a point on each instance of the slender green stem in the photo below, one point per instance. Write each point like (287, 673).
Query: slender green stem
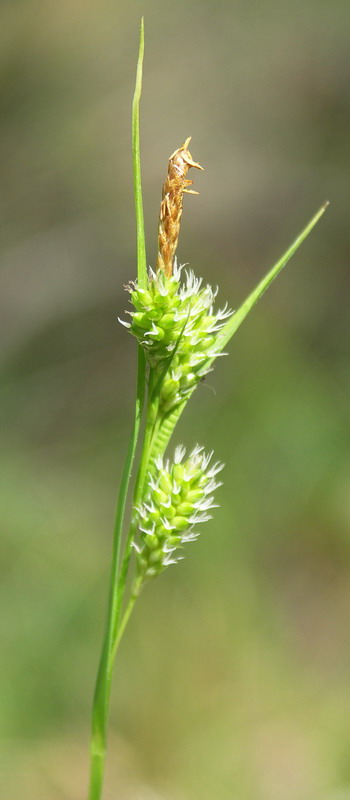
(136, 159)
(98, 752)
(104, 676)
(151, 429)
(114, 631)
(133, 597)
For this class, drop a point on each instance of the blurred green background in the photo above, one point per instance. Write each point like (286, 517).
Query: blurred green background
(234, 678)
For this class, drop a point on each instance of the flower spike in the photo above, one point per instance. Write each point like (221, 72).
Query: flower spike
(175, 185)
(180, 496)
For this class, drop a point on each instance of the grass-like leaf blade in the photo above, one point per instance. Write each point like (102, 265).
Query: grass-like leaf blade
(167, 427)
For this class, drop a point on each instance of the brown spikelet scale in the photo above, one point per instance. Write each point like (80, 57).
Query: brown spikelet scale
(175, 185)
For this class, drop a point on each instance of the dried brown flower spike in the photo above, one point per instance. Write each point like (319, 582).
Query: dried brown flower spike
(175, 185)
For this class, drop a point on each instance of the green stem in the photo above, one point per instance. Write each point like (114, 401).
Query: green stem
(98, 748)
(114, 630)
(151, 430)
(136, 160)
(104, 675)
(133, 597)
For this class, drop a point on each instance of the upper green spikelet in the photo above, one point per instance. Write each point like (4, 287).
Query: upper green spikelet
(176, 324)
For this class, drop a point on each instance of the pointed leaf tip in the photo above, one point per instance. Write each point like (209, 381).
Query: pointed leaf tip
(140, 230)
(236, 320)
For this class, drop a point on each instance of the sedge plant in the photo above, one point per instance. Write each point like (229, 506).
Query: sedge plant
(179, 331)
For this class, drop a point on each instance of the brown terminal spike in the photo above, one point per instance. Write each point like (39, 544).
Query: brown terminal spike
(175, 185)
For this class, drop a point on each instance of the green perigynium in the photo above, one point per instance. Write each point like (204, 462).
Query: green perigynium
(158, 317)
(176, 324)
(179, 335)
(179, 496)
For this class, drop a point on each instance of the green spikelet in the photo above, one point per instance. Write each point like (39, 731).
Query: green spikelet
(178, 498)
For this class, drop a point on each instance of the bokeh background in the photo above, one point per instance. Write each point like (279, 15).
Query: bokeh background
(234, 678)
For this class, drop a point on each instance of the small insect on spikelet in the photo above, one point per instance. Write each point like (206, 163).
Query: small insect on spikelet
(178, 497)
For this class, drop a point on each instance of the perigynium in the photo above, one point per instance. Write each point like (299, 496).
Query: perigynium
(180, 332)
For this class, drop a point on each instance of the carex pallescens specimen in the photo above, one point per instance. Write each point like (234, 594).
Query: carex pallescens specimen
(179, 334)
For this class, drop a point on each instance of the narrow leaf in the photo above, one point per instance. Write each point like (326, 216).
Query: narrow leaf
(136, 159)
(236, 320)
(167, 427)
(104, 676)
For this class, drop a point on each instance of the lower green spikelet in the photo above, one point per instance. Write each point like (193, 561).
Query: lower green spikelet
(178, 497)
